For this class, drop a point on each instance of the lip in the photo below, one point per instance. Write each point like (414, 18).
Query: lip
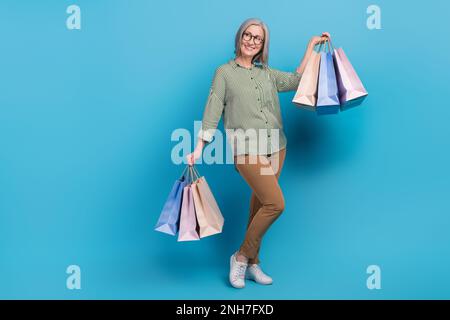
(249, 48)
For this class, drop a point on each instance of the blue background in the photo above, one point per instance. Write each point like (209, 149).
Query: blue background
(86, 119)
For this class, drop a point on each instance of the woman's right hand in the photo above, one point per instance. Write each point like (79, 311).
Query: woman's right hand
(194, 156)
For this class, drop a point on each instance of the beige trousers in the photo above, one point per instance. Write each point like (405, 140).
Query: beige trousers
(267, 202)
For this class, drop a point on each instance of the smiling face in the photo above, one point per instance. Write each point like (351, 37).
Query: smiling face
(252, 41)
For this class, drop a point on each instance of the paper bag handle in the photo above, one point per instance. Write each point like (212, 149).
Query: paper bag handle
(196, 174)
(184, 172)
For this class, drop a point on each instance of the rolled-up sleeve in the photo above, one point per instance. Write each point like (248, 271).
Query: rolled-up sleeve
(285, 81)
(214, 107)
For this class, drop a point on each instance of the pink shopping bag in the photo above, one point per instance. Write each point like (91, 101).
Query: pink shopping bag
(306, 95)
(188, 220)
(209, 217)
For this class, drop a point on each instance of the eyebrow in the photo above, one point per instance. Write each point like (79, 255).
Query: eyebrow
(253, 34)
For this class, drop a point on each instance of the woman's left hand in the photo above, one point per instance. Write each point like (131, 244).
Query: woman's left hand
(326, 34)
(312, 43)
(319, 39)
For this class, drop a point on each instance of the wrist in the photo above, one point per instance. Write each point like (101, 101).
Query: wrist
(200, 144)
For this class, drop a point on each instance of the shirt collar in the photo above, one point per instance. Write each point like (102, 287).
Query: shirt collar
(234, 64)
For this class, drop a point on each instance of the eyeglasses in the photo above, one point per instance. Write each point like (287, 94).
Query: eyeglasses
(247, 36)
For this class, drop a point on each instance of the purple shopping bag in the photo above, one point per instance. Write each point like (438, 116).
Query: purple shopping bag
(327, 92)
(351, 89)
(188, 220)
(168, 221)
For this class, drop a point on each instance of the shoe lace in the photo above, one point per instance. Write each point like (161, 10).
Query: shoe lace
(240, 271)
(256, 269)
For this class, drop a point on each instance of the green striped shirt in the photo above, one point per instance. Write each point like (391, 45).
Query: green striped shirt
(248, 99)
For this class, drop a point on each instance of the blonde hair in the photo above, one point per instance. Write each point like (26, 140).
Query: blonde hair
(263, 55)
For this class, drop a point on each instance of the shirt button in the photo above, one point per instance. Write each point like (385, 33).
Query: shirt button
(256, 87)
(252, 78)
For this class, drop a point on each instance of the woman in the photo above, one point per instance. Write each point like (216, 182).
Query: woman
(245, 90)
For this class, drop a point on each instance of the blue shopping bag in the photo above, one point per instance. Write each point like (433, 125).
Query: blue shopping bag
(327, 93)
(169, 218)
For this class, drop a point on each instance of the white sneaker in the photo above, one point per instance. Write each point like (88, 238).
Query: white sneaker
(255, 273)
(237, 272)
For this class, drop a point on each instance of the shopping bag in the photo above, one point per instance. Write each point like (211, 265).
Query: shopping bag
(327, 92)
(351, 90)
(188, 220)
(168, 221)
(306, 94)
(209, 217)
